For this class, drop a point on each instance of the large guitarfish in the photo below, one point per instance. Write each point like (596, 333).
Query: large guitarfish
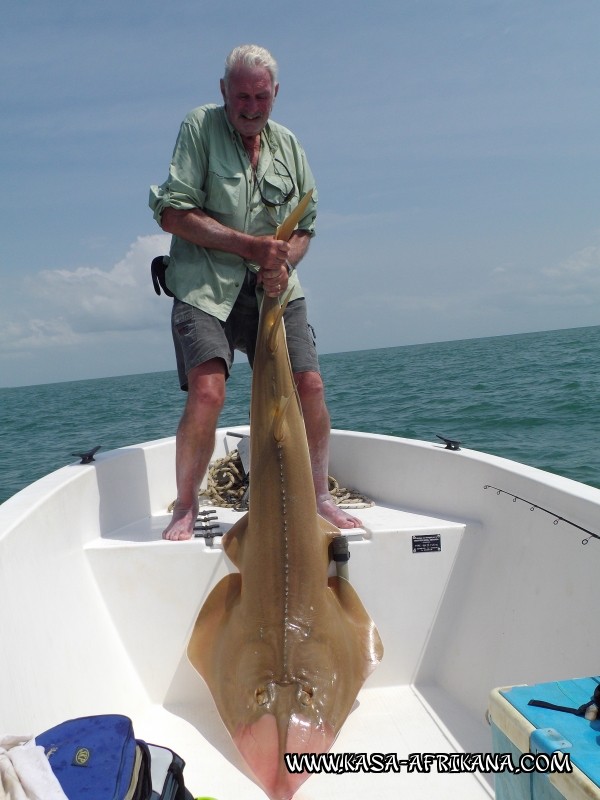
(284, 650)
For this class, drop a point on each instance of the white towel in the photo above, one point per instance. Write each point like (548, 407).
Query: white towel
(25, 772)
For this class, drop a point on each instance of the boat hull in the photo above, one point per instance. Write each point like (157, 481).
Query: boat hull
(470, 587)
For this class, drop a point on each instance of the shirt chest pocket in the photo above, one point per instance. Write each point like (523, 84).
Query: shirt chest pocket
(223, 187)
(276, 190)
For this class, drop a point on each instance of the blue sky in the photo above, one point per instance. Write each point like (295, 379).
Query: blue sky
(455, 145)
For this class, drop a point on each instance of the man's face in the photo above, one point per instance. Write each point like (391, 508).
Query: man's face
(249, 95)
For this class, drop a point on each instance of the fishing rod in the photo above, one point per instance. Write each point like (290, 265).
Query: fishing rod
(557, 517)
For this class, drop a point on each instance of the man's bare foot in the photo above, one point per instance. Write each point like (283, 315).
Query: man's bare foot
(182, 523)
(328, 509)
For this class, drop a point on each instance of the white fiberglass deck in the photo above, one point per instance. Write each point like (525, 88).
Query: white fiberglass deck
(398, 720)
(98, 609)
(391, 716)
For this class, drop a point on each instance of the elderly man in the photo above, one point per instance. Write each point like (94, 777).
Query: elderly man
(234, 176)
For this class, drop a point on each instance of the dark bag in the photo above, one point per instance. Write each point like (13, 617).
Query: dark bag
(157, 270)
(166, 769)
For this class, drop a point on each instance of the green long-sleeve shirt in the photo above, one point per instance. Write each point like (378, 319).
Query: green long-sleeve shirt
(210, 170)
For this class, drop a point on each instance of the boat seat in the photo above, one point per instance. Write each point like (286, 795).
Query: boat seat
(129, 560)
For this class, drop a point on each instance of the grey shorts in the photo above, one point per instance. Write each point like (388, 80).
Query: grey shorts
(199, 337)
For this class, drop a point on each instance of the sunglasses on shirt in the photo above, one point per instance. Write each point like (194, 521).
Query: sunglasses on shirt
(288, 196)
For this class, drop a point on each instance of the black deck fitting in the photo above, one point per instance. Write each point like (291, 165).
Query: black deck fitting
(87, 458)
(451, 444)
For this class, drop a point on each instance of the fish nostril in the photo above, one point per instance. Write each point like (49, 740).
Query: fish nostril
(261, 696)
(305, 696)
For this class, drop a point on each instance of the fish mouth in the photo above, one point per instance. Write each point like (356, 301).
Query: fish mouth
(264, 743)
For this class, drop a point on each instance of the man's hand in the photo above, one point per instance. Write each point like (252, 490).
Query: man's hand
(269, 253)
(275, 281)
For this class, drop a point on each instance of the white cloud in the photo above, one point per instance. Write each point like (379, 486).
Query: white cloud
(583, 265)
(431, 299)
(18, 335)
(573, 282)
(69, 305)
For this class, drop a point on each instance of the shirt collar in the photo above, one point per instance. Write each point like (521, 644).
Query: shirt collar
(266, 134)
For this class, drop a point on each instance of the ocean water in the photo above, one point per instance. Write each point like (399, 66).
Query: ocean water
(531, 397)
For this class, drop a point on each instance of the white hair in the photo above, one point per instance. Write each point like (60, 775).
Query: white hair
(250, 55)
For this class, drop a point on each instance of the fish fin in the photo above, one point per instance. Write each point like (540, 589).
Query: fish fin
(203, 647)
(233, 541)
(328, 528)
(370, 650)
(272, 342)
(329, 531)
(279, 417)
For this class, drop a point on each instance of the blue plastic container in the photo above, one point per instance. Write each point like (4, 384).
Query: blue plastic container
(563, 749)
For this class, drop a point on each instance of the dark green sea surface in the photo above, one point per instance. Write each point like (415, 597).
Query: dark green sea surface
(531, 397)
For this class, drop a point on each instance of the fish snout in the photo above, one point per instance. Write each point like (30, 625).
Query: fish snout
(289, 724)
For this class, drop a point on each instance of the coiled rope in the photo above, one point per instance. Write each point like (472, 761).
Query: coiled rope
(227, 484)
